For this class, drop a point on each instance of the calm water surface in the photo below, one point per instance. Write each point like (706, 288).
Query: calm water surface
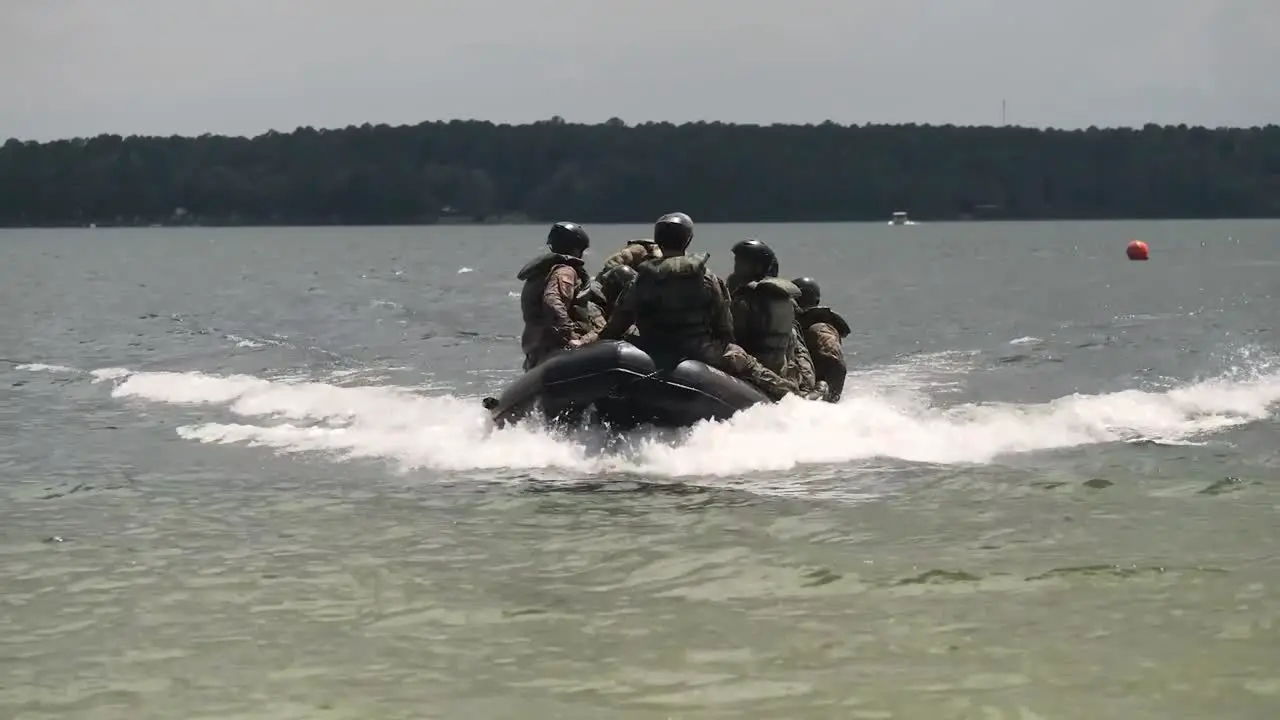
(245, 474)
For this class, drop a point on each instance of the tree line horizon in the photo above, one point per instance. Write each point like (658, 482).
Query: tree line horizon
(464, 171)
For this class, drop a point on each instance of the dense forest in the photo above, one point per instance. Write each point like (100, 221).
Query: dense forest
(469, 171)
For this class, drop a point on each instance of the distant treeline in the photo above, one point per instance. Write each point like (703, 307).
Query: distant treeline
(464, 171)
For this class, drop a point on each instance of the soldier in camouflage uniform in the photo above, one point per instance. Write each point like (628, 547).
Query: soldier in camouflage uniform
(823, 330)
(555, 313)
(764, 314)
(599, 298)
(681, 310)
(603, 294)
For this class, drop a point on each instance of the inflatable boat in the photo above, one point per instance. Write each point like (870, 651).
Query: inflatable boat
(618, 384)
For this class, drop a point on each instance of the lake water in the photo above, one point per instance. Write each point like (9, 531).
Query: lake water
(245, 474)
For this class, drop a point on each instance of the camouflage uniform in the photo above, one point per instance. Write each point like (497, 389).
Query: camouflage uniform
(823, 331)
(681, 310)
(588, 315)
(603, 293)
(618, 273)
(634, 253)
(554, 312)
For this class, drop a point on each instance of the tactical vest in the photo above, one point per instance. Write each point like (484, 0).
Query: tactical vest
(765, 317)
(673, 303)
(823, 314)
(535, 274)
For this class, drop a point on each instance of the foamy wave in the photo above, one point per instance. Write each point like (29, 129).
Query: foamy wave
(242, 342)
(42, 367)
(111, 373)
(450, 433)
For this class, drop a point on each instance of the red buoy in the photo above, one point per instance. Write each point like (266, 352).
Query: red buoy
(1137, 250)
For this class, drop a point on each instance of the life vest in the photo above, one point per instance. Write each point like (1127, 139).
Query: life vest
(823, 314)
(673, 302)
(535, 274)
(764, 318)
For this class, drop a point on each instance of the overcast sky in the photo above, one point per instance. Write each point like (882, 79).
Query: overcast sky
(82, 67)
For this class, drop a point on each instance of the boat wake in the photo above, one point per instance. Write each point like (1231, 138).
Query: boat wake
(888, 413)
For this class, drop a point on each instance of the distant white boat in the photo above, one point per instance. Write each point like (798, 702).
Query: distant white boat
(900, 218)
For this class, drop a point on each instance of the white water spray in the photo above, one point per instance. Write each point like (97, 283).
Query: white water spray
(884, 415)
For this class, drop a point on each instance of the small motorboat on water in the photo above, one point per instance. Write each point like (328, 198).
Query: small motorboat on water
(900, 218)
(617, 384)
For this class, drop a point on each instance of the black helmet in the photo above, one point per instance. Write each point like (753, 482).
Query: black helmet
(568, 238)
(760, 254)
(673, 230)
(810, 293)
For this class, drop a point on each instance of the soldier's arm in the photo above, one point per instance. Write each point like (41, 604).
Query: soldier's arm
(804, 362)
(828, 357)
(557, 296)
(721, 313)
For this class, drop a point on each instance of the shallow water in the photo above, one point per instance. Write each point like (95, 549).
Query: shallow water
(245, 474)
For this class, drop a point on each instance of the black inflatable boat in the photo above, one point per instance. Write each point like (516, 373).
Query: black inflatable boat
(622, 386)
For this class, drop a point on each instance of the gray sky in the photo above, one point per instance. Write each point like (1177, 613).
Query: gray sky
(82, 67)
